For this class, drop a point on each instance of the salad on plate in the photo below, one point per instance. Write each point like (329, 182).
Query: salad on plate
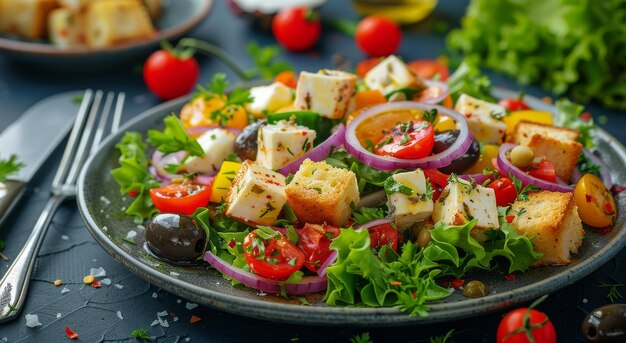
(382, 189)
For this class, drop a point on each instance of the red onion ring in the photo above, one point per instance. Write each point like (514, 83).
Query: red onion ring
(576, 175)
(456, 150)
(159, 161)
(373, 223)
(436, 84)
(309, 284)
(198, 130)
(329, 260)
(203, 179)
(318, 153)
(507, 167)
(605, 171)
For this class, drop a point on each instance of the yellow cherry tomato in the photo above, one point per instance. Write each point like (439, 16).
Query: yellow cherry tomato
(487, 153)
(223, 180)
(596, 206)
(513, 118)
(199, 112)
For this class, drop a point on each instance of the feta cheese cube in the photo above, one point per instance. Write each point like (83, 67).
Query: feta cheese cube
(389, 75)
(217, 145)
(483, 118)
(282, 143)
(328, 92)
(257, 194)
(269, 98)
(409, 209)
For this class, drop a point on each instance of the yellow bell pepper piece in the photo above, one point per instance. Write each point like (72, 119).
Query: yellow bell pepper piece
(223, 180)
(488, 152)
(534, 116)
(444, 123)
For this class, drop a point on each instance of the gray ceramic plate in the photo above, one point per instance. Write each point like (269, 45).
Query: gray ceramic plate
(100, 204)
(178, 17)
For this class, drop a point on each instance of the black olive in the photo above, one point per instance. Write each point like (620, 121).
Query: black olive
(606, 324)
(175, 237)
(246, 143)
(444, 139)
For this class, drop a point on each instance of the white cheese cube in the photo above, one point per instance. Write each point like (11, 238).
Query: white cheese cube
(217, 145)
(269, 99)
(257, 194)
(328, 92)
(282, 143)
(389, 75)
(459, 203)
(483, 118)
(410, 209)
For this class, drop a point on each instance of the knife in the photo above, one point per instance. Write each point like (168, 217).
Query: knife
(32, 138)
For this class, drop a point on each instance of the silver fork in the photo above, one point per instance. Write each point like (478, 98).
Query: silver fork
(83, 141)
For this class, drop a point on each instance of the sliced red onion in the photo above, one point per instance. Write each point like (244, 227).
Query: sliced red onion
(165, 181)
(605, 172)
(479, 179)
(160, 161)
(318, 153)
(204, 179)
(309, 284)
(198, 130)
(576, 175)
(433, 85)
(330, 260)
(507, 167)
(387, 163)
(373, 223)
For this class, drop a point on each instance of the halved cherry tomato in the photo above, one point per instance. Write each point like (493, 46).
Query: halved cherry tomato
(409, 140)
(366, 65)
(183, 197)
(538, 325)
(287, 78)
(383, 235)
(504, 190)
(596, 205)
(543, 170)
(315, 244)
(429, 69)
(514, 104)
(274, 258)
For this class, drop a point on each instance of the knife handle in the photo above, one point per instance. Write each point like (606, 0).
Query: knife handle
(10, 193)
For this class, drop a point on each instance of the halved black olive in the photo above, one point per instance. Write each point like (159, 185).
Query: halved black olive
(443, 140)
(246, 143)
(175, 237)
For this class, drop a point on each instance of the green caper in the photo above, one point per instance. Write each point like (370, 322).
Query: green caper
(475, 289)
(522, 156)
(423, 236)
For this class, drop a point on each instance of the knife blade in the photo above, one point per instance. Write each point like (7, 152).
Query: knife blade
(32, 138)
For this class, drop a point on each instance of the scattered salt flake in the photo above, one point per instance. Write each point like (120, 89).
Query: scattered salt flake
(262, 294)
(65, 237)
(174, 274)
(163, 322)
(98, 272)
(106, 281)
(65, 290)
(5, 339)
(187, 339)
(105, 228)
(118, 286)
(141, 227)
(105, 200)
(191, 306)
(585, 300)
(179, 301)
(59, 315)
(175, 319)
(123, 208)
(155, 323)
(119, 315)
(162, 314)
(32, 320)
(154, 295)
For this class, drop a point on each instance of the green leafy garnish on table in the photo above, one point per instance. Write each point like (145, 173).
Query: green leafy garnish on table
(363, 337)
(9, 166)
(613, 292)
(266, 64)
(141, 334)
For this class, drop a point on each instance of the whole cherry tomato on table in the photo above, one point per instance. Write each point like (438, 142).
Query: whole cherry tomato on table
(315, 244)
(297, 28)
(378, 36)
(273, 257)
(170, 74)
(409, 140)
(517, 324)
(504, 190)
(182, 198)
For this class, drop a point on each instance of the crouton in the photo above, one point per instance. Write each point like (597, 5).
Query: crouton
(26, 18)
(526, 129)
(551, 219)
(117, 21)
(66, 28)
(564, 154)
(320, 193)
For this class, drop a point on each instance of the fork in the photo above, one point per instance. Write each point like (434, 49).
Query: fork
(83, 141)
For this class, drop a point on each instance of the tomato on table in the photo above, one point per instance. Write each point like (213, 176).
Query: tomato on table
(504, 190)
(169, 75)
(296, 28)
(408, 140)
(513, 328)
(543, 170)
(384, 234)
(429, 69)
(315, 244)
(272, 255)
(596, 205)
(378, 36)
(184, 197)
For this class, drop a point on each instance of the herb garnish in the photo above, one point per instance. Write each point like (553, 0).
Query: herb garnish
(522, 192)
(613, 293)
(391, 186)
(361, 338)
(141, 334)
(9, 167)
(216, 89)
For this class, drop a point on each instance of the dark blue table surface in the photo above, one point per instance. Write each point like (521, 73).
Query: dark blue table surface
(69, 251)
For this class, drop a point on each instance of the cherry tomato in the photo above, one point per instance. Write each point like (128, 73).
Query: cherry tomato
(274, 258)
(429, 69)
(409, 140)
(438, 181)
(182, 198)
(383, 235)
(514, 104)
(314, 243)
(169, 76)
(296, 28)
(378, 36)
(596, 206)
(543, 170)
(287, 78)
(514, 320)
(504, 190)
(366, 65)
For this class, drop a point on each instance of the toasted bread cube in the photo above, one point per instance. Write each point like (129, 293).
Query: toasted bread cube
(327, 92)
(282, 143)
(257, 194)
(389, 75)
(75, 5)
(526, 129)
(320, 193)
(155, 8)
(269, 99)
(551, 219)
(484, 119)
(217, 145)
(410, 209)
(564, 154)
(66, 28)
(459, 203)
(113, 22)
(26, 18)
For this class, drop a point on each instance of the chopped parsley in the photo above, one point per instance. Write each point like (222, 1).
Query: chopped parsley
(522, 191)
(613, 291)
(361, 338)
(367, 214)
(9, 167)
(141, 334)
(586, 166)
(232, 103)
(391, 186)
(430, 116)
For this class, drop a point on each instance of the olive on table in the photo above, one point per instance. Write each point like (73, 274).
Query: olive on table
(444, 139)
(175, 237)
(606, 324)
(475, 289)
(246, 144)
(522, 156)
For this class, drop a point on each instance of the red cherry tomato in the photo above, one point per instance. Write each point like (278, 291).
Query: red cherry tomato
(429, 69)
(504, 190)
(378, 36)
(296, 28)
(383, 235)
(168, 76)
(274, 258)
(438, 181)
(315, 244)
(514, 104)
(409, 140)
(543, 170)
(514, 320)
(182, 198)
